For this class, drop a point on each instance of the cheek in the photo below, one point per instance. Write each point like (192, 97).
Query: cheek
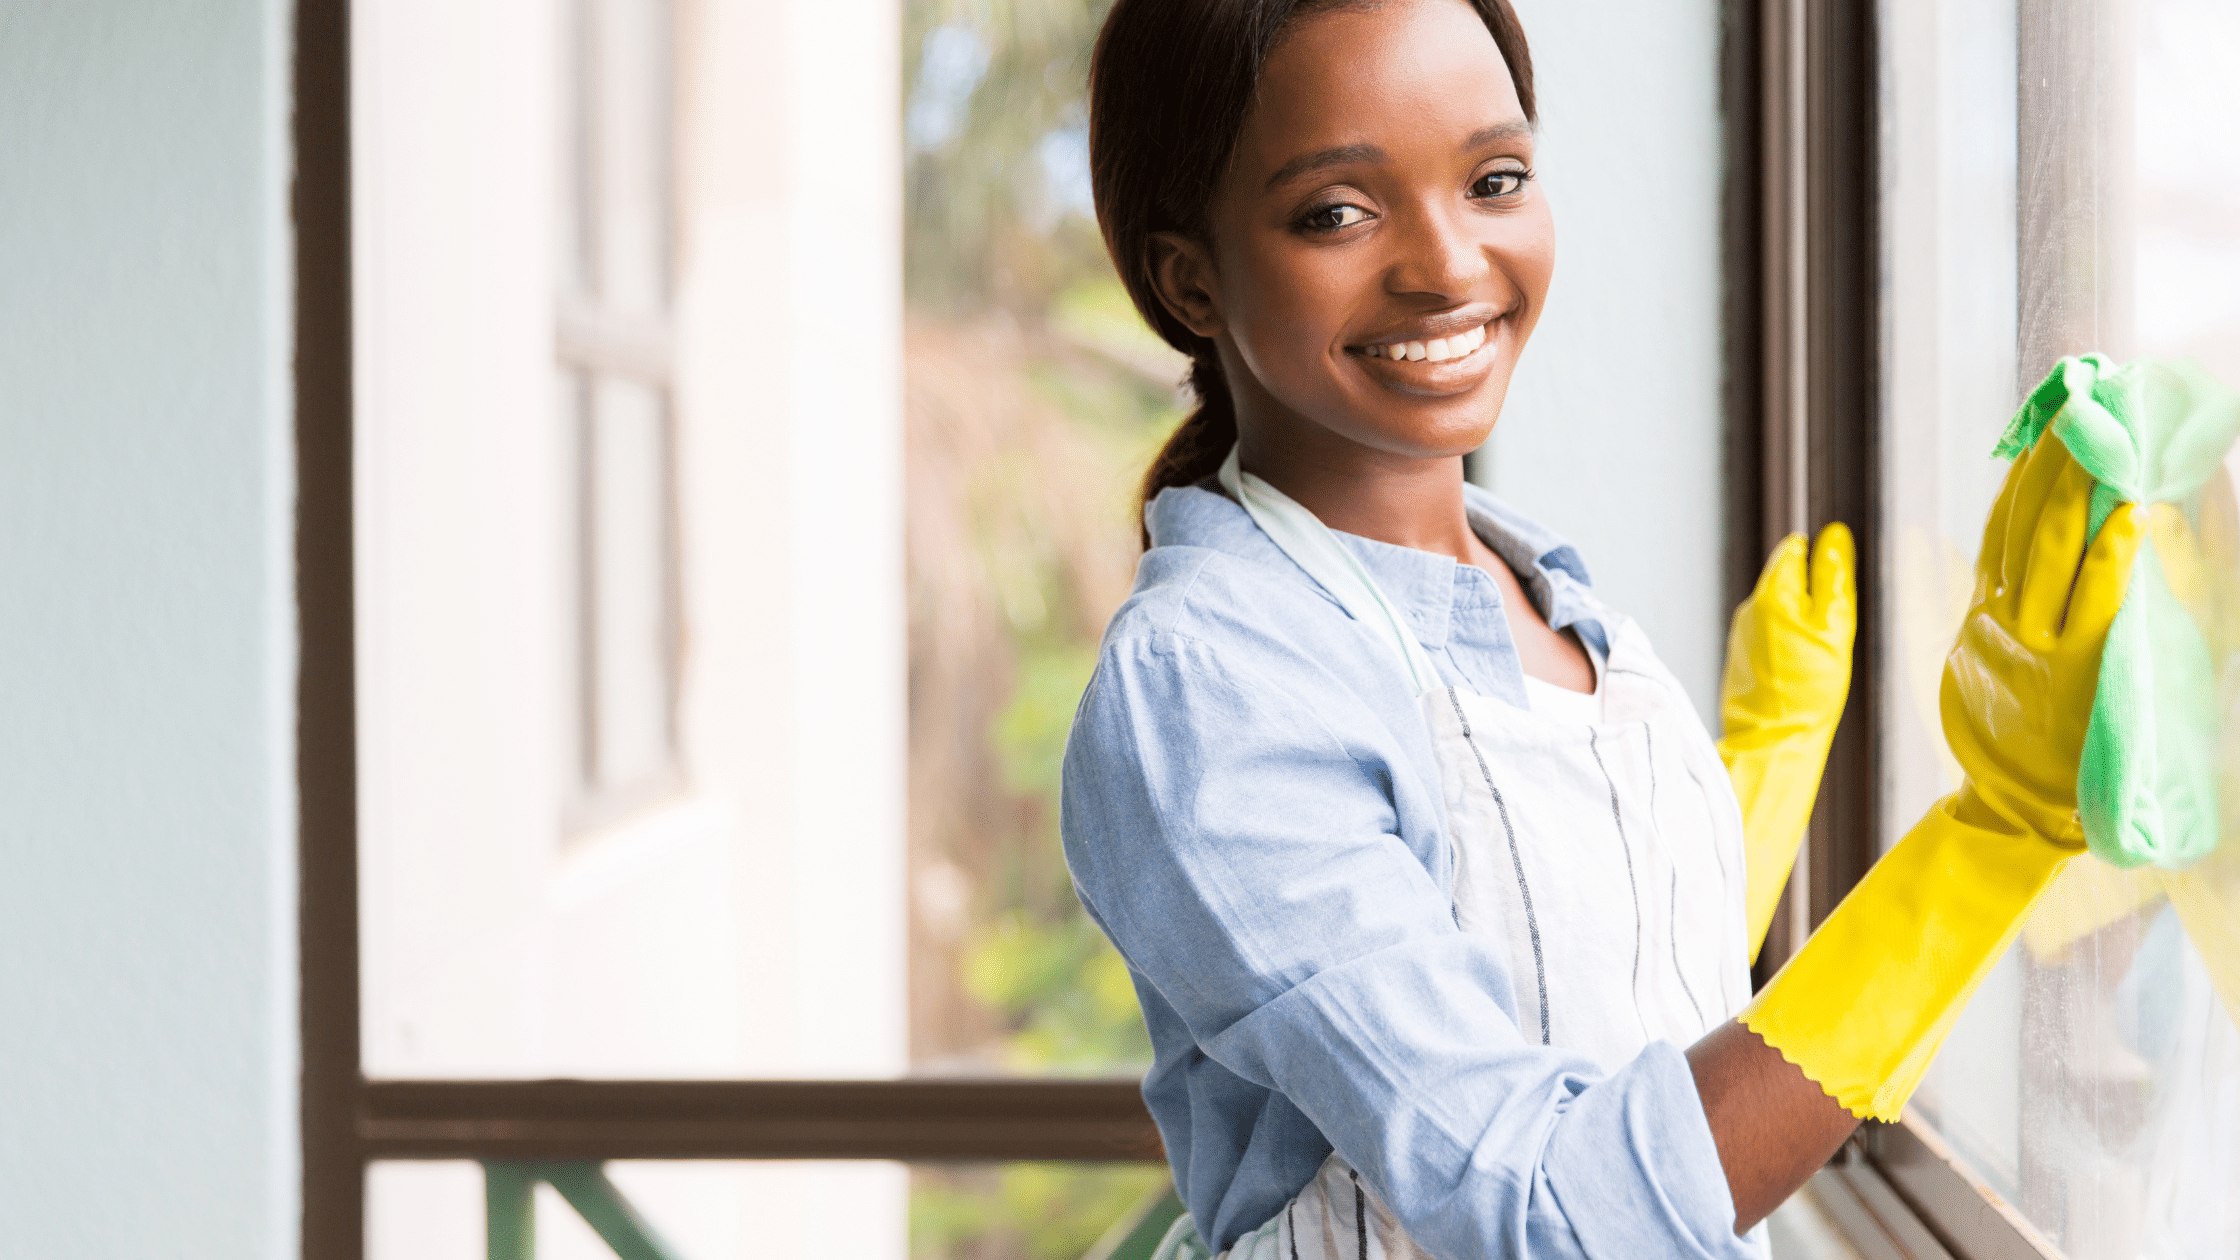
(1529, 254)
(1288, 307)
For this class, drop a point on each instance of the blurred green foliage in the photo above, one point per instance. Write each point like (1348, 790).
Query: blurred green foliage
(1031, 1211)
(996, 123)
(999, 231)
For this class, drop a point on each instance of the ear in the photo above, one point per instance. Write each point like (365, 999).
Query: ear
(1183, 273)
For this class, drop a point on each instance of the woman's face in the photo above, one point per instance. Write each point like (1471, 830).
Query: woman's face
(1380, 250)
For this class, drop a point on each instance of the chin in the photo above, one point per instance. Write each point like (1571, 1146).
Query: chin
(1433, 428)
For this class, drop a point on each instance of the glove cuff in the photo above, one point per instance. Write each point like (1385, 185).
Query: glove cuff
(1863, 1007)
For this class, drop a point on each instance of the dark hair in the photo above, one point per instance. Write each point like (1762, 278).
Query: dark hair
(1170, 85)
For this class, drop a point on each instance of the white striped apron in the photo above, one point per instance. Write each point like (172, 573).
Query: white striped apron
(1606, 858)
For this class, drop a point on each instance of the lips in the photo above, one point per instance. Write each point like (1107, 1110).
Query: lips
(1465, 354)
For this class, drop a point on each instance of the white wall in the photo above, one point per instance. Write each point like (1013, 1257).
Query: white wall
(1612, 432)
(147, 972)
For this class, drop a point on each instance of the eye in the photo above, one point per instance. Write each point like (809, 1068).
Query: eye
(1500, 183)
(1332, 217)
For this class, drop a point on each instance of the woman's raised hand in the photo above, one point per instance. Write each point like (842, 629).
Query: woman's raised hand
(1788, 674)
(2019, 684)
(1849, 1026)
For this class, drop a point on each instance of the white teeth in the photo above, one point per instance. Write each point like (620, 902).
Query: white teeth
(1437, 350)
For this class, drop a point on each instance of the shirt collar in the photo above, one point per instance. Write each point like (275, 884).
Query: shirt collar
(1419, 583)
(1525, 543)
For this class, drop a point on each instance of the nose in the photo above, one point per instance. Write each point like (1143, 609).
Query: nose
(1438, 257)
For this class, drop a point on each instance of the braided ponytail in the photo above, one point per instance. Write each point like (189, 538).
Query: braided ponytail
(1194, 451)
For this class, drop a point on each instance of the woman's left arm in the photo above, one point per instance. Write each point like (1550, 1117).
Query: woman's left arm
(1851, 1023)
(1788, 674)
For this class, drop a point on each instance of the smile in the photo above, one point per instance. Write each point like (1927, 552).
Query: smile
(1436, 350)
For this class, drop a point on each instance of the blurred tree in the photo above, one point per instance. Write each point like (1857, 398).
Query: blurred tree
(1034, 396)
(997, 207)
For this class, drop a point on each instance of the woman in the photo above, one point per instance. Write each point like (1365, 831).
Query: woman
(1422, 864)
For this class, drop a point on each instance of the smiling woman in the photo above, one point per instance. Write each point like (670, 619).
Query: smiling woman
(1417, 950)
(1360, 294)
(1156, 191)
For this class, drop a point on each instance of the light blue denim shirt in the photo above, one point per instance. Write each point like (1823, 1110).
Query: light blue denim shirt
(1252, 812)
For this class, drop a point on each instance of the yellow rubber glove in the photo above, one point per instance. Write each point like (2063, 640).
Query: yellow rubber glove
(1865, 1004)
(1788, 671)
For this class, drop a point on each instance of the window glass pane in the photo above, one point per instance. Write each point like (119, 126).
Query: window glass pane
(628, 582)
(1031, 1211)
(627, 117)
(730, 563)
(629, 585)
(2054, 184)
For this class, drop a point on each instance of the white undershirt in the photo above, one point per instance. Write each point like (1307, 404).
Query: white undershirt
(1564, 704)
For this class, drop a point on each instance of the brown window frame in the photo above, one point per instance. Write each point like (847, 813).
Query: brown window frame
(1800, 241)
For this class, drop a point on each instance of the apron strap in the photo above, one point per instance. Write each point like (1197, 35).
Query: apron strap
(1301, 535)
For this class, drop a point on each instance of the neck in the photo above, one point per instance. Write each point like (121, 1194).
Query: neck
(1405, 500)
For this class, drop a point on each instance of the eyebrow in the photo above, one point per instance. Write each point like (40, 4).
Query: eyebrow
(1347, 154)
(1514, 129)
(1343, 155)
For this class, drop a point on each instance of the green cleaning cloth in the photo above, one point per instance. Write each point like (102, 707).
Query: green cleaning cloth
(2147, 433)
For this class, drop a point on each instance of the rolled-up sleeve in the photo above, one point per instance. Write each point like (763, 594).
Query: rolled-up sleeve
(1246, 858)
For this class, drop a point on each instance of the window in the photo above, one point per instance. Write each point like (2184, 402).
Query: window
(630, 282)
(613, 223)
(2058, 177)
(639, 487)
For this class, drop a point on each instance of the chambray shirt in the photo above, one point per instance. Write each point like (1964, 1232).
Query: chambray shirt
(1252, 812)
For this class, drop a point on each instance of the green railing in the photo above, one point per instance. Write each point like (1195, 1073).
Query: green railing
(510, 1193)
(510, 1197)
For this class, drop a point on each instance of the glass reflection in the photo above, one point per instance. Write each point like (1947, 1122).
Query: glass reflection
(2095, 1080)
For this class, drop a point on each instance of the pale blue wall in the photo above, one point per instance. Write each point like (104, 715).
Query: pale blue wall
(147, 972)
(1612, 430)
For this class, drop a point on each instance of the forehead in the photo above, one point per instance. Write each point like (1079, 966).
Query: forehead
(1421, 71)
